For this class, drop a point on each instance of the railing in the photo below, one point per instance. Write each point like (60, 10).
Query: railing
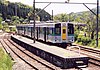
(70, 47)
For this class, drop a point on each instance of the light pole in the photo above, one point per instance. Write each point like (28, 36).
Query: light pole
(34, 20)
(97, 23)
(69, 13)
(52, 15)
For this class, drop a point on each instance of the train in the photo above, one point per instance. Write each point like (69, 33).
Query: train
(59, 33)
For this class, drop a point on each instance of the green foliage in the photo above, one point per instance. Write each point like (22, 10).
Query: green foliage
(5, 27)
(2, 1)
(92, 44)
(1, 27)
(5, 61)
(13, 29)
(0, 20)
(15, 22)
(8, 9)
(14, 18)
(0, 23)
(84, 40)
(0, 15)
(76, 35)
(61, 17)
(99, 44)
(21, 20)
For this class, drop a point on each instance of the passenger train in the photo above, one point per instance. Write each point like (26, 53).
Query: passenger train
(61, 33)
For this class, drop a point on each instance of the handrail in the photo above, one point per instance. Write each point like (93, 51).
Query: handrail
(74, 47)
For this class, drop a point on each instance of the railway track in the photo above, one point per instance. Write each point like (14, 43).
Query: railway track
(36, 63)
(32, 60)
(93, 54)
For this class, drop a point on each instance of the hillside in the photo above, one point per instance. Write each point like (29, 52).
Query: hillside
(9, 9)
(94, 10)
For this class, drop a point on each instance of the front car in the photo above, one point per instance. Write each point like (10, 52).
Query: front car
(64, 33)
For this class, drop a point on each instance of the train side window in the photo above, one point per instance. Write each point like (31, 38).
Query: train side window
(70, 29)
(50, 31)
(47, 31)
(57, 31)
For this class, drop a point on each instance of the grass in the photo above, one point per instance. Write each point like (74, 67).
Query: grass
(5, 61)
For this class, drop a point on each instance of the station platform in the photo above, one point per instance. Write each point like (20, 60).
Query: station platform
(58, 56)
(52, 49)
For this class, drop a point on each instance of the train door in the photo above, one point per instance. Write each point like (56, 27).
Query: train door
(58, 33)
(64, 32)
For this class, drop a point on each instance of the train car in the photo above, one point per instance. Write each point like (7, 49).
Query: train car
(61, 33)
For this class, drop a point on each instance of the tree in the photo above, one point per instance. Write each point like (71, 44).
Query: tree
(61, 17)
(2, 1)
(15, 22)
(91, 26)
(14, 18)
(0, 15)
(5, 27)
(9, 9)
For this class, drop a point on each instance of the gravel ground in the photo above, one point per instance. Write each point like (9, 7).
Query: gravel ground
(93, 67)
(21, 65)
(18, 63)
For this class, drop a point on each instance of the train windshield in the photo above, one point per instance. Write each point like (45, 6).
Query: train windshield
(58, 29)
(70, 29)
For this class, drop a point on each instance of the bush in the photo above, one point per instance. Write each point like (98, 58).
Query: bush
(84, 40)
(93, 43)
(79, 38)
(5, 61)
(76, 36)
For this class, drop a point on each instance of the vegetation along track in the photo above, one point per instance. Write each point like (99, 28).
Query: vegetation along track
(29, 58)
(93, 54)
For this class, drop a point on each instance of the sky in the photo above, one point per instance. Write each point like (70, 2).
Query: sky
(60, 8)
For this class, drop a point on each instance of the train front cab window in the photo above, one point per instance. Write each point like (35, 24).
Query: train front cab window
(64, 31)
(70, 29)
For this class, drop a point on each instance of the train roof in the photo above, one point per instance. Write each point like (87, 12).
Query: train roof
(43, 24)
